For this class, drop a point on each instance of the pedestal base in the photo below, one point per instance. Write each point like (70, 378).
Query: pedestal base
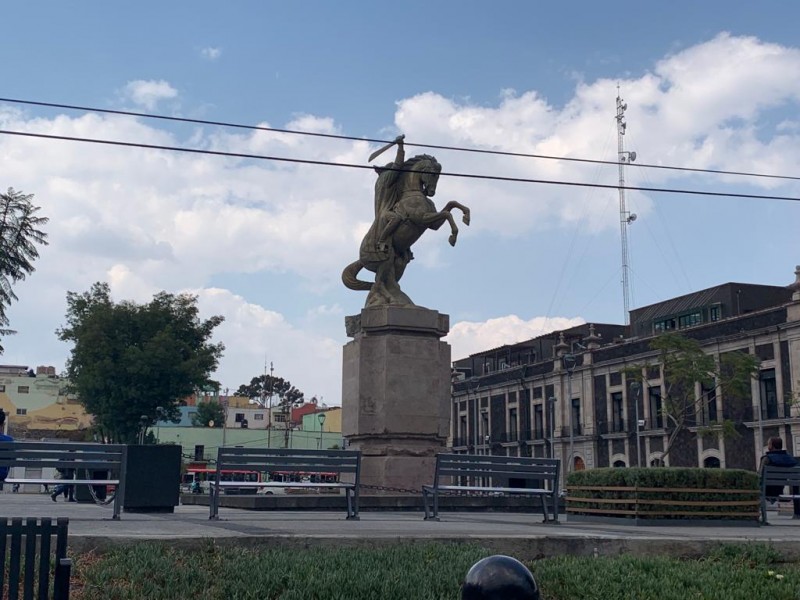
(397, 464)
(396, 394)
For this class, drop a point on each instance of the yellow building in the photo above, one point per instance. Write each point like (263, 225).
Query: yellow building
(38, 401)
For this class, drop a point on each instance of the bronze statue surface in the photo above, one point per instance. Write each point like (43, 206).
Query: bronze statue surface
(403, 212)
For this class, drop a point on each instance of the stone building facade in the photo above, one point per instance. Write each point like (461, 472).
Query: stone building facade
(566, 394)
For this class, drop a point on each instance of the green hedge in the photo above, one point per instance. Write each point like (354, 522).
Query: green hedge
(633, 503)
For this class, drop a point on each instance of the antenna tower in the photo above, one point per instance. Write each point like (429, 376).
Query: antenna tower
(625, 217)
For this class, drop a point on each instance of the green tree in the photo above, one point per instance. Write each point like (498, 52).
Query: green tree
(19, 234)
(208, 412)
(280, 390)
(683, 364)
(129, 359)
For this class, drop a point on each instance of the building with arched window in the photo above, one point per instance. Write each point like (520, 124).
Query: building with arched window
(568, 394)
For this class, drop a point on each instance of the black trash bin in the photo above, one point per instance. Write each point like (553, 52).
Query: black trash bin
(152, 480)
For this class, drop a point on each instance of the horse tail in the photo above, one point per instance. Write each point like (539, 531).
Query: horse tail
(349, 277)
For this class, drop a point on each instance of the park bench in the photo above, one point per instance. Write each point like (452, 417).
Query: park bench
(482, 474)
(26, 548)
(780, 476)
(84, 460)
(269, 460)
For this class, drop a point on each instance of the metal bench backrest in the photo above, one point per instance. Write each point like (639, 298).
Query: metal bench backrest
(505, 467)
(19, 539)
(783, 476)
(62, 455)
(282, 459)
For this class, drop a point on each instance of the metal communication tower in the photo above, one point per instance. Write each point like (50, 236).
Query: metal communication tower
(625, 217)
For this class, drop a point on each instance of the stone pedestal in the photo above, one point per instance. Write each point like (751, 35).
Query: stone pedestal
(396, 393)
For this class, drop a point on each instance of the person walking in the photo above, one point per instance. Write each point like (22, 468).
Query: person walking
(64, 488)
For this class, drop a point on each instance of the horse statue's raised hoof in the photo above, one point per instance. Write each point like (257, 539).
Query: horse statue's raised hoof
(452, 239)
(465, 218)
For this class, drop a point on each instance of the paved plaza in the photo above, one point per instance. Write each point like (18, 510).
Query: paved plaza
(519, 534)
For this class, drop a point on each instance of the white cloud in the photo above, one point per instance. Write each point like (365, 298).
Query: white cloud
(149, 93)
(211, 53)
(468, 337)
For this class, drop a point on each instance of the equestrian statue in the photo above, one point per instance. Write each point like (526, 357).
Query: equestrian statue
(403, 211)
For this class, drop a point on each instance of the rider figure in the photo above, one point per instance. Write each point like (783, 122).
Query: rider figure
(386, 197)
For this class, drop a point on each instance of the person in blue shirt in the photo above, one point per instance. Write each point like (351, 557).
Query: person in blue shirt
(3, 438)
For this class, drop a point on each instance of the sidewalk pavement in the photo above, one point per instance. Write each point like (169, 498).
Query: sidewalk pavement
(518, 534)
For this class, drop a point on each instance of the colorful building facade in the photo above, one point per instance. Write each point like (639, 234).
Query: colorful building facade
(37, 403)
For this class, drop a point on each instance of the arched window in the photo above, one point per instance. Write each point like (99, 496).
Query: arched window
(711, 462)
(579, 465)
(619, 464)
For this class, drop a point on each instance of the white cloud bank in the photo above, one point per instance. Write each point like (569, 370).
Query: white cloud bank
(467, 338)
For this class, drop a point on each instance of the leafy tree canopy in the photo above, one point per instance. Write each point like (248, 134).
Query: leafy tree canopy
(129, 360)
(208, 412)
(19, 234)
(264, 386)
(683, 363)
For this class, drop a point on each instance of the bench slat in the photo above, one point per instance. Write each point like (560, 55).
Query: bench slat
(278, 484)
(57, 464)
(302, 467)
(27, 481)
(497, 472)
(496, 460)
(27, 452)
(30, 556)
(480, 488)
(236, 460)
(233, 451)
(16, 555)
(44, 557)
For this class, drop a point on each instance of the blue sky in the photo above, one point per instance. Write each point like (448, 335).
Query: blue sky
(708, 84)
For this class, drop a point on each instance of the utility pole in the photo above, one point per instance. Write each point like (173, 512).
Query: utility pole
(636, 387)
(625, 217)
(264, 402)
(551, 405)
(570, 368)
(224, 417)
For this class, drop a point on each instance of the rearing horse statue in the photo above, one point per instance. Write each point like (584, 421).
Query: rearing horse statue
(403, 211)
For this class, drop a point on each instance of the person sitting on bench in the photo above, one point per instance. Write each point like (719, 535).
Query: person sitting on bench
(776, 456)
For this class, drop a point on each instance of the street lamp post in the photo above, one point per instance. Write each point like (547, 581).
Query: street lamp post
(159, 416)
(636, 387)
(224, 403)
(552, 417)
(143, 431)
(321, 418)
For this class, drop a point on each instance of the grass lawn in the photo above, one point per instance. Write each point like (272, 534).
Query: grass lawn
(419, 572)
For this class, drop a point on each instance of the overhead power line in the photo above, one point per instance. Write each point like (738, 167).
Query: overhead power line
(377, 141)
(355, 166)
